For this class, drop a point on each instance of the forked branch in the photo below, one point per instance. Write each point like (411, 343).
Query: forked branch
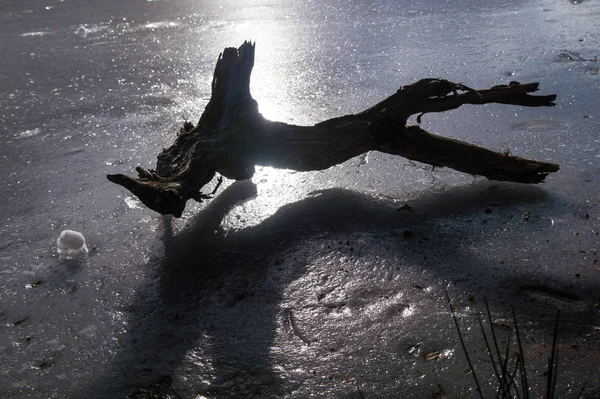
(232, 137)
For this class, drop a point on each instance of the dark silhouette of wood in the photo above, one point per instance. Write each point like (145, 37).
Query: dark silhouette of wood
(232, 137)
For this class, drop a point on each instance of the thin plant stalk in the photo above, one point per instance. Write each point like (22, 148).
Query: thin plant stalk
(553, 362)
(522, 368)
(489, 314)
(513, 380)
(506, 376)
(462, 342)
(489, 349)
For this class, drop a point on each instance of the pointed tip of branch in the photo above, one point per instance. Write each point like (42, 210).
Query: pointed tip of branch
(163, 197)
(121, 180)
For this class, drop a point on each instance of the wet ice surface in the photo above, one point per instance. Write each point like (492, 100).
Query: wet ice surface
(295, 284)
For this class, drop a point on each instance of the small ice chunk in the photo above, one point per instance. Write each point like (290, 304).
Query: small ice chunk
(82, 31)
(71, 244)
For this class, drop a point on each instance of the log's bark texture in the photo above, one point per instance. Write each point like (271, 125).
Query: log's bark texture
(232, 137)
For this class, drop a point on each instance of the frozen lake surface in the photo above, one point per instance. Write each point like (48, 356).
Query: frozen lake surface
(293, 285)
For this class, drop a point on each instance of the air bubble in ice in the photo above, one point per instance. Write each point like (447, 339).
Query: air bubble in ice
(71, 244)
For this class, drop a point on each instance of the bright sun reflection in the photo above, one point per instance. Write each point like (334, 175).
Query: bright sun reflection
(271, 82)
(270, 110)
(275, 188)
(272, 76)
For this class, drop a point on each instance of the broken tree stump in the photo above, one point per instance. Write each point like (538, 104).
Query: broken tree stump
(232, 137)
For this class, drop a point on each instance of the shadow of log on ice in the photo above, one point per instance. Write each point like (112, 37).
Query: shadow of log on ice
(207, 321)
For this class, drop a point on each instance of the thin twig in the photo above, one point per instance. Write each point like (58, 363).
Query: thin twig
(292, 320)
(572, 54)
(24, 384)
(219, 181)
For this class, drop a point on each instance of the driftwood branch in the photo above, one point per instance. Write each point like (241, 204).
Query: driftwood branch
(232, 137)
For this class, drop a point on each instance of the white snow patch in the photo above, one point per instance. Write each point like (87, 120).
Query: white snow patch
(30, 133)
(40, 33)
(82, 31)
(161, 24)
(132, 203)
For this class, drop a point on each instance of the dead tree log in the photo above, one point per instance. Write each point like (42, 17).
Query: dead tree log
(232, 137)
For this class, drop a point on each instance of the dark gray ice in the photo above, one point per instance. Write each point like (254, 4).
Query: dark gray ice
(292, 285)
